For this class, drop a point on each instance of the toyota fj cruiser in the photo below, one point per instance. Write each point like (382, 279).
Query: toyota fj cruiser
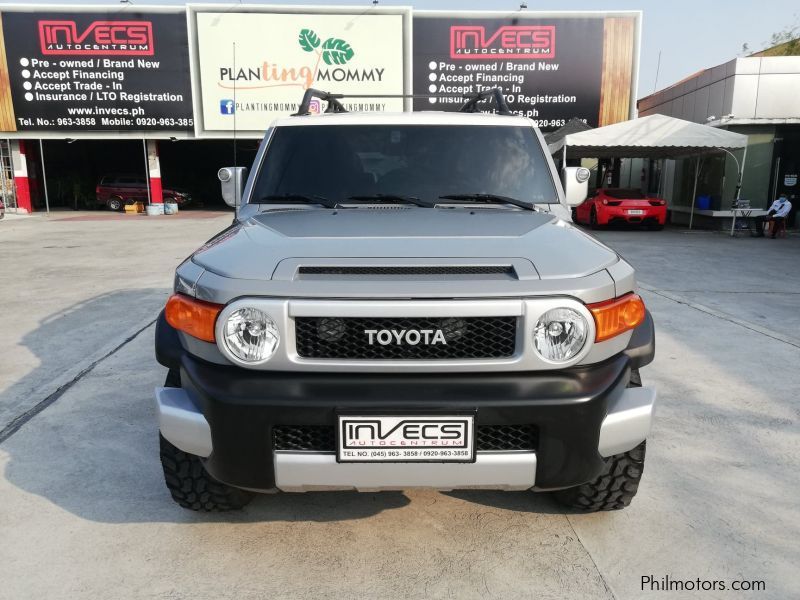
(402, 302)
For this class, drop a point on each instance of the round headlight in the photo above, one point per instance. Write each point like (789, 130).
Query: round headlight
(250, 335)
(560, 334)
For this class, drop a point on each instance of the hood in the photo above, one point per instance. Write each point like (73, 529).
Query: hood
(253, 249)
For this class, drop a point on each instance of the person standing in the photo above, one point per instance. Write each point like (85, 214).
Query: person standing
(776, 214)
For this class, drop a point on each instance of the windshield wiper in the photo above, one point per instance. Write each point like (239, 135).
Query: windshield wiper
(392, 198)
(489, 198)
(310, 198)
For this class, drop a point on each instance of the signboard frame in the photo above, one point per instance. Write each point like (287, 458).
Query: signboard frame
(99, 135)
(523, 15)
(192, 10)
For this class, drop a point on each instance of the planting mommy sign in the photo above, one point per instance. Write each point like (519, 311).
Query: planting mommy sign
(252, 67)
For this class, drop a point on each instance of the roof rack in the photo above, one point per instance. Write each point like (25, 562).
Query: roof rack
(470, 106)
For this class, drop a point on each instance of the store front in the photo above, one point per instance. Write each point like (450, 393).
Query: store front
(754, 96)
(73, 170)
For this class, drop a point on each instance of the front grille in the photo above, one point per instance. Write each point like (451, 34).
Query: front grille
(506, 437)
(322, 438)
(422, 270)
(463, 338)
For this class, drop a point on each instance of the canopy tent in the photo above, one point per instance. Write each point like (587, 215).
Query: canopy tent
(655, 136)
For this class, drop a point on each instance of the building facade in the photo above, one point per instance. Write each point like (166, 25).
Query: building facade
(758, 96)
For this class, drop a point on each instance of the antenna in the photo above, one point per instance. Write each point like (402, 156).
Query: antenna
(238, 197)
(658, 68)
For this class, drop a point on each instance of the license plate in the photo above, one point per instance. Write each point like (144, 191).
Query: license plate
(405, 438)
(635, 212)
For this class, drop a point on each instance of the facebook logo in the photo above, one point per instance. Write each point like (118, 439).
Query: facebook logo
(226, 107)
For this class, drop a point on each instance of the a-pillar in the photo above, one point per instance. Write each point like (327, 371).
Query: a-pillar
(19, 162)
(154, 170)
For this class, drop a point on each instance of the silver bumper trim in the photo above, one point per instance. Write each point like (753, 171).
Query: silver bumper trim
(181, 422)
(308, 471)
(628, 421)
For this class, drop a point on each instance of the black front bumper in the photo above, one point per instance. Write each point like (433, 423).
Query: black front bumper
(567, 407)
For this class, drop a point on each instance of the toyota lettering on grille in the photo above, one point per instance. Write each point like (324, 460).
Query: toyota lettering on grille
(400, 337)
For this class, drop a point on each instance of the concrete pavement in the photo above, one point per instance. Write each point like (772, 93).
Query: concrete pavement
(84, 511)
(70, 292)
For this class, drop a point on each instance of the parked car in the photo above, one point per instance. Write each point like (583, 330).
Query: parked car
(410, 313)
(115, 191)
(621, 205)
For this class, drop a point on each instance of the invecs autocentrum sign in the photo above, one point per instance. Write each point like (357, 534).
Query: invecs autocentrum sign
(99, 38)
(471, 42)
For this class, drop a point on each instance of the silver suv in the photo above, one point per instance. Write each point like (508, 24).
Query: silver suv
(402, 302)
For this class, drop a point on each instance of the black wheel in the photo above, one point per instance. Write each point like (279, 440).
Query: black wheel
(593, 219)
(613, 489)
(617, 484)
(115, 204)
(574, 213)
(187, 480)
(192, 487)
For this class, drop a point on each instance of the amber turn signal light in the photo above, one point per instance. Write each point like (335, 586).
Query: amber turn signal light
(613, 317)
(195, 317)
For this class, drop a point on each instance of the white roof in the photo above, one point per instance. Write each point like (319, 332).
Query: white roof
(405, 118)
(655, 136)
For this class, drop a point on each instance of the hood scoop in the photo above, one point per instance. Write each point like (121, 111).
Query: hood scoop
(430, 270)
(410, 270)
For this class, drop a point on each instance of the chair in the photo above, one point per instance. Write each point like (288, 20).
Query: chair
(779, 228)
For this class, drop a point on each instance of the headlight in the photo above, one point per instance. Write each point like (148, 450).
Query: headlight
(560, 334)
(250, 335)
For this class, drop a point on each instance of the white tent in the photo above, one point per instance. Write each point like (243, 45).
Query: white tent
(655, 136)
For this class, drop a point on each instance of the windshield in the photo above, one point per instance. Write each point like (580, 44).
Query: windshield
(337, 162)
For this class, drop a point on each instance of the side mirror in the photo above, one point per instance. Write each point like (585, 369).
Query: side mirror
(232, 180)
(576, 184)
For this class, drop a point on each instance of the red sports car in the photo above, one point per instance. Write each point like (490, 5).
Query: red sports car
(618, 205)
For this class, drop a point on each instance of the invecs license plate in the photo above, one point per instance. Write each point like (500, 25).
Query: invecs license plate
(406, 438)
(635, 211)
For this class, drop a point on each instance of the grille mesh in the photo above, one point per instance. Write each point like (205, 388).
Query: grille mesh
(465, 337)
(422, 270)
(506, 437)
(322, 438)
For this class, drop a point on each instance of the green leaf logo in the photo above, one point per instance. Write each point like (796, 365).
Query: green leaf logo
(309, 41)
(336, 51)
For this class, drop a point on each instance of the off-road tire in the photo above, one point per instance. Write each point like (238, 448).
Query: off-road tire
(617, 484)
(192, 487)
(189, 483)
(613, 489)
